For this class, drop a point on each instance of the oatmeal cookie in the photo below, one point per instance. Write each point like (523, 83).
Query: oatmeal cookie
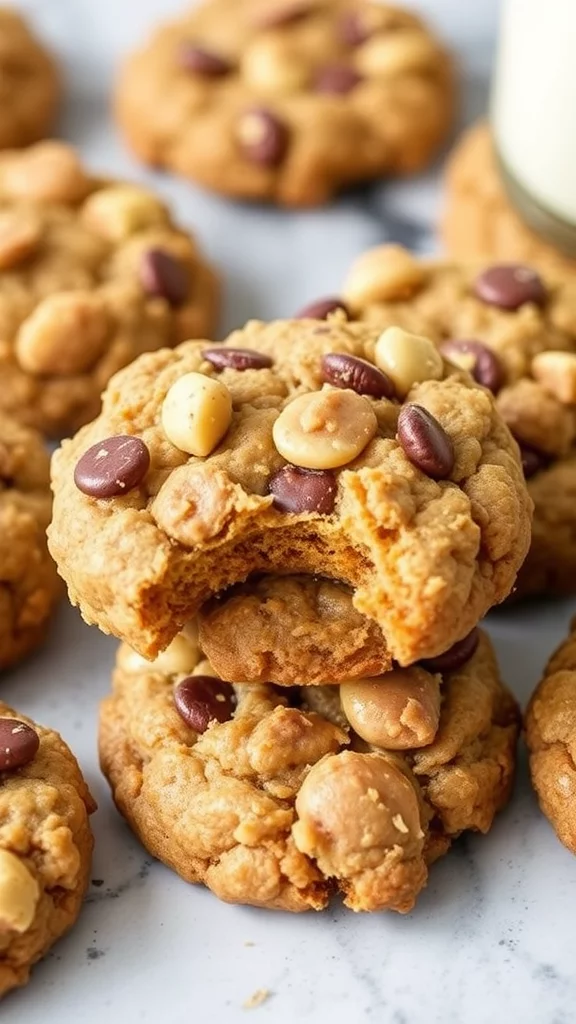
(92, 274)
(315, 448)
(278, 801)
(29, 84)
(45, 843)
(287, 100)
(29, 584)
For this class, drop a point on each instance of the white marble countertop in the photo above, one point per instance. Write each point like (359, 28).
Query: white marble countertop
(491, 938)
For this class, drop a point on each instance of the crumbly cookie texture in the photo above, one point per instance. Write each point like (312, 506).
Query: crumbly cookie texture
(551, 739)
(45, 843)
(416, 502)
(279, 802)
(479, 221)
(287, 101)
(29, 83)
(93, 273)
(29, 584)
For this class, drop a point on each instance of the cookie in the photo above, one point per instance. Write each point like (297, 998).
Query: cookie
(287, 100)
(209, 464)
(45, 843)
(479, 221)
(29, 584)
(92, 274)
(551, 738)
(279, 801)
(29, 84)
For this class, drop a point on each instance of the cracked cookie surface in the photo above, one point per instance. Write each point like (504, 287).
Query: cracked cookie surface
(29, 83)
(93, 273)
(270, 798)
(289, 100)
(45, 843)
(29, 584)
(424, 511)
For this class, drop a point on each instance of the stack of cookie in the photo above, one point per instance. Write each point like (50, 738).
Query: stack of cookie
(302, 526)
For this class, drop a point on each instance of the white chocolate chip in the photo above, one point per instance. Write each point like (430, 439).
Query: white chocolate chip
(387, 273)
(268, 66)
(179, 658)
(19, 894)
(397, 53)
(325, 429)
(196, 413)
(556, 371)
(122, 210)
(407, 359)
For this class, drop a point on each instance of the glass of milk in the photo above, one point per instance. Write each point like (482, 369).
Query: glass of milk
(534, 115)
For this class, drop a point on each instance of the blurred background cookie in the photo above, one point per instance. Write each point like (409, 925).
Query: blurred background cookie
(30, 84)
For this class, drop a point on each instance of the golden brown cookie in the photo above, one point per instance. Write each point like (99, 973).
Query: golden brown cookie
(92, 274)
(45, 843)
(287, 100)
(551, 739)
(29, 83)
(210, 463)
(279, 801)
(29, 584)
(479, 221)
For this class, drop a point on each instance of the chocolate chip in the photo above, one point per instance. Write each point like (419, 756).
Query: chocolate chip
(304, 490)
(353, 29)
(456, 656)
(113, 466)
(237, 358)
(200, 700)
(18, 744)
(201, 61)
(263, 137)
(164, 277)
(425, 442)
(532, 461)
(509, 286)
(337, 79)
(485, 366)
(322, 308)
(344, 371)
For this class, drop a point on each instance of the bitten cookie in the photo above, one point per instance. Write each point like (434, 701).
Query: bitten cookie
(92, 273)
(29, 584)
(29, 83)
(45, 844)
(551, 739)
(290, 448)
(279, 802)
(479, 221)
(287, 100)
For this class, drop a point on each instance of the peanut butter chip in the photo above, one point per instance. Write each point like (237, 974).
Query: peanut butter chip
(196, 414)
(66, 334)
(19, 894)
(407, 359)
(325, 429)
(119, 211)
(20, 233)
(397, 711)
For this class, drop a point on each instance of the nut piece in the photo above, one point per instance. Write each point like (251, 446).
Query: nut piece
(20, 233)
(180, 657)
(49, 172)
(66, 334)
(407, 359)
(19, 894)
(395, 54)
(119, 211)
(387, 273)
(196, 413)
(325, 429)
(396, 711)
(269, 67)
(556, 371)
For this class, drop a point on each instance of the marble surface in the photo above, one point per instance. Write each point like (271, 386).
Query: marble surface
(491, 938)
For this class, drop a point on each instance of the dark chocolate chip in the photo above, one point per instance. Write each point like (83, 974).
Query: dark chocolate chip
(18, 744)
(322, 308)
(532, 461)
(164, 277)
(304, 490)
(201, 61)
(344, 371)
(509, 286)
(237, 358)
(425, 442)
(263, 137)
(113, 466)
(485, 366)
(337, 79)
(455, 657)
(200, 700)
(353, 29)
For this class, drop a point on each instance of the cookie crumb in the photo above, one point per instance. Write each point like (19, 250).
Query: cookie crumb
(256, 999)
